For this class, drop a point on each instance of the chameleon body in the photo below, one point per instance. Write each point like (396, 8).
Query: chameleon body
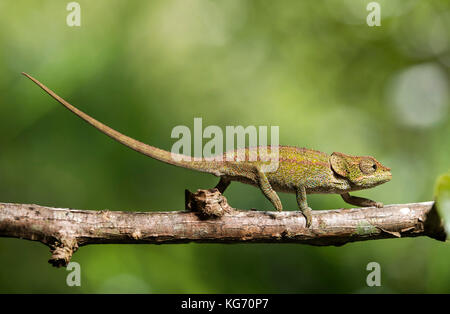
(301, 171)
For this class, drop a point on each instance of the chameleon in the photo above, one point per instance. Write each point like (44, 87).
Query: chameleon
(300, 170)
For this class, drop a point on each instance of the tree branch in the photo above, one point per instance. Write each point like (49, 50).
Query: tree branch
(211, 219)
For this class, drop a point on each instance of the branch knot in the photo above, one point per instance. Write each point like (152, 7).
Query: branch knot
(62, 252)
(208, 203)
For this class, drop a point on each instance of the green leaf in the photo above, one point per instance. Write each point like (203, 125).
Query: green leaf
(442, 197)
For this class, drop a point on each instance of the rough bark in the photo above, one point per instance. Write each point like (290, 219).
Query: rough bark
(211, 219)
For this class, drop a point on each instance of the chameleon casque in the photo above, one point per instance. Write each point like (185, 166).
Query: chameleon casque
(301, 171)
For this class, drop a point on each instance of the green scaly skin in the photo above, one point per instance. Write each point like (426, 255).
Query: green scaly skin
(301, 171)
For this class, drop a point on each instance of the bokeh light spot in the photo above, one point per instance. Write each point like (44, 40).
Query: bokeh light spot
(419, 95)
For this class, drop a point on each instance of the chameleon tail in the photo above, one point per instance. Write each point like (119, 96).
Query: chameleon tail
(151, 151)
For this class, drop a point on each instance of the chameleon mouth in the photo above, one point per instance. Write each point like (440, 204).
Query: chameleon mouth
(389, 177)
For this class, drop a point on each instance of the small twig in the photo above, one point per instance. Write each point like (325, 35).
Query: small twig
(64, 230)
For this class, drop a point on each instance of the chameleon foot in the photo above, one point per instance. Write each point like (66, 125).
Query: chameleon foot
(308, 216)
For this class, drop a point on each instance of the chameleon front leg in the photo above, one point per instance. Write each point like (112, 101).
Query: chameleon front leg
(303, 205)
(360, 201)
(268, 191)
(223, 184)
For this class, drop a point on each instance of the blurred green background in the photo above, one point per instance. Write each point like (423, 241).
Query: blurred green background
(315, 69)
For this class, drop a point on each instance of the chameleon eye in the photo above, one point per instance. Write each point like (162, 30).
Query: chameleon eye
(367, 166)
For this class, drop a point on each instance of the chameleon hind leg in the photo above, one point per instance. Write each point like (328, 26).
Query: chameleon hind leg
(264, 184)
(223, 184)
(303, 205)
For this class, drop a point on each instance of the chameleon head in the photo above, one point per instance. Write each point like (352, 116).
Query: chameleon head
(362, 171)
